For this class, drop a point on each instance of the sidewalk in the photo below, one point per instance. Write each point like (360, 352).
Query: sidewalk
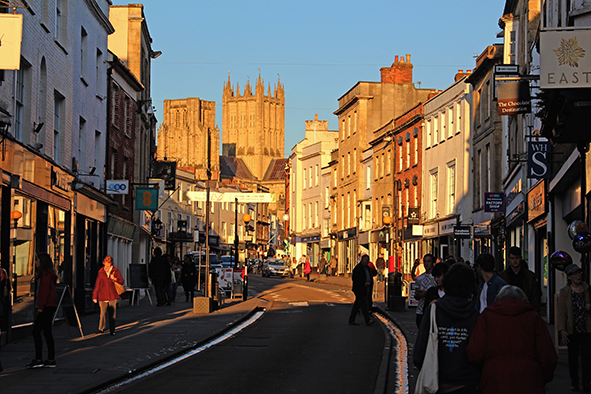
(145, 335)
(406, 322)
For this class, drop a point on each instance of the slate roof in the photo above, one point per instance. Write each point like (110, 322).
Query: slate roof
(276, 170)
(233, 167)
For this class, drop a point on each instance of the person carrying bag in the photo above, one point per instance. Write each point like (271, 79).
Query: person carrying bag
(428, 379)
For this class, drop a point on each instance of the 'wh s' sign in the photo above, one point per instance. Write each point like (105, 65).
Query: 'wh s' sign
(538, 159)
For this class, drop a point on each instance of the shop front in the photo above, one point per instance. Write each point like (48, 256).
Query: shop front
(347, 251)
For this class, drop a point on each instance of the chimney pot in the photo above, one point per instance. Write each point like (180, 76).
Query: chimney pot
(408, 57)
(396, 59)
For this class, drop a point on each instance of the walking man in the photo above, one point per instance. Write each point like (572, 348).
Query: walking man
(361, 288)
(491, 282)
(518, 274)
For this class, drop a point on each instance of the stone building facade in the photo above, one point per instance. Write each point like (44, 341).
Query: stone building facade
(182, 137)
(254, 124)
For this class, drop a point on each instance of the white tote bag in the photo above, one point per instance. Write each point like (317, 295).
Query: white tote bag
(428, 379)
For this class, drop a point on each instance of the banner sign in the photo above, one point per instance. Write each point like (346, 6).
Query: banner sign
(494, 202)
(565, 59)
(538, 159)
(146, 198)
(513, 98)
(231, 197)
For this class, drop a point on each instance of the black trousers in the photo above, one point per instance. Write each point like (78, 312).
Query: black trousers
(579, 346)
(361, 303)
(43, 324)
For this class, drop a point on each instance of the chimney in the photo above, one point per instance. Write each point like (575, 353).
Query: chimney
(399, 72)
(461, 74)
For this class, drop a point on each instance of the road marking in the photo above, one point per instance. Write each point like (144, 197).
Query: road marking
(300, 303)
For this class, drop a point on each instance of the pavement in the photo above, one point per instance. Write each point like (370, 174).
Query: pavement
(147, 335)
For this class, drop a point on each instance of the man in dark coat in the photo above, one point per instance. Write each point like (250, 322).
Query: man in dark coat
(160, 276)
(518, 274)
(362, 280)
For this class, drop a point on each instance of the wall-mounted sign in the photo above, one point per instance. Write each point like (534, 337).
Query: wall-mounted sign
(513, 98)
(565, 59)
(536, 201)
(166, 170)
(462, 232)
(117, 187)
(538, 159)
(494, 202)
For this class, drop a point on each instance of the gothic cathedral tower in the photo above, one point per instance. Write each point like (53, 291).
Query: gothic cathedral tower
(253, 126)
(182, 137)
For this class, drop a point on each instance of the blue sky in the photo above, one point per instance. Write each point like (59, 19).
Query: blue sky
(320, 49)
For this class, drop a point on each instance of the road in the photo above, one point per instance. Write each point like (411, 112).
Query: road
(302, 344)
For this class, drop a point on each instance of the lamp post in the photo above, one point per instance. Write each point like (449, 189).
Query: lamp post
(387, 221)
(15, 216)
(246, 219)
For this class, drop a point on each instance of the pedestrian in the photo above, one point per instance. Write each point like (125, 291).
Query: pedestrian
(45, 307)
(373, 272)
(106, 295)
(188, 277)
(414, 269)
(294, 267)
(436, 292)
(422, 284)
(574, 325)
(491, 283)
(307, 269)
(175, 277)
(518, 274)
(302, 263)
(456, 317)
(333, 265)
(160, 276)
(361, 288)
(322, 265)
(4, 289)
(512, 345)
(380, 266)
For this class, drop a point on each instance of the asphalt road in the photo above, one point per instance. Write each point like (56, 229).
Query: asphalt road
(302, 344)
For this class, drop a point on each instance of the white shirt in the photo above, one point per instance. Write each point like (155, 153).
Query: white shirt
(424, 282)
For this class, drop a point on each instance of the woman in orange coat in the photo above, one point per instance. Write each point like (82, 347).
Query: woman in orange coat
(106, 295)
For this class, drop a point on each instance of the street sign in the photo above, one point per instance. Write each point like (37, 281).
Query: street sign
(506, 69)
(538, 159)
(231, 197)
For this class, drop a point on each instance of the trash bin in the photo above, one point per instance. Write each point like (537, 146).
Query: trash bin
(396, 302)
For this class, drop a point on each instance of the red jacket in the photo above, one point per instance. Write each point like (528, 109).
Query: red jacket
(46, 295)
(512, 343)
(104, 289)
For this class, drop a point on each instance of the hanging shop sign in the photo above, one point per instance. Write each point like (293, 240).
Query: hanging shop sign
(513, 98)
(494, 202)
(11, 34)
(462, 232)
(565, 59)
(117, 187)
(536, 201)
(146, 198)
(538, 159)
(166, 170)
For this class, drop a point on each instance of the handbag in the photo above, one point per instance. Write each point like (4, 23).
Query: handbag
(428, 379)
(120, 289)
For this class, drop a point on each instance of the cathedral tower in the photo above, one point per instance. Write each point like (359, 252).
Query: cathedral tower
(253, 125)
(182, 137)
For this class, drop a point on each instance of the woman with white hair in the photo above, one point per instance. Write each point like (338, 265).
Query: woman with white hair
(513, 345)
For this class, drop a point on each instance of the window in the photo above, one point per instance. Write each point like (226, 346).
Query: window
(478, 111)
(349, 210)
(99, 72)
(354, 161)
(477, 180)
(335, 178)
(367, 177)
(126, 117)
(416, 158)
(388, 162)
(435, 131)
(343, 129)
(451, 186)
(58, 125)
(407, 154)
(443, 126)
(342, 167)
(42, 92)
(58, 20)
(317, 175)
(433, 182)
(406, 200)
(326, 197)
(512, 46)
(348, 163)
(82, 142)
(451, 119)
(19, 112)
(400, 161)
(459, 109)
(83, 52)
(310, 217)
(416, 196)
(348, 126)
(311, 176)
(354, 122)
(113, 161)
(305, 176)
(97, 149)
(428, 127)
(382, 165)
(487, 186)
(485, 101)
(316, 215)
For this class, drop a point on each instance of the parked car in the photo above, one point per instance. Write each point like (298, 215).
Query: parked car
(214, 263)
(227, 261)
(275, 267)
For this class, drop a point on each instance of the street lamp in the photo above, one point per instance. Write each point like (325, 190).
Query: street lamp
(15, 216)
(246, 219)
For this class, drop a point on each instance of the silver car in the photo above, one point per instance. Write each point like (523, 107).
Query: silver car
(275, 267)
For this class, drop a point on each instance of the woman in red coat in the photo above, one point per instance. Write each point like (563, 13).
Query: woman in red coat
(513, 345)
(106, 295)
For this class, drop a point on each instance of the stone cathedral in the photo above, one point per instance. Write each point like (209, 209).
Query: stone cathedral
(182, 136)
(253, 125)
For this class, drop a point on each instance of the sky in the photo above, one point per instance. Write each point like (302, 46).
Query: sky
(319, 49)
